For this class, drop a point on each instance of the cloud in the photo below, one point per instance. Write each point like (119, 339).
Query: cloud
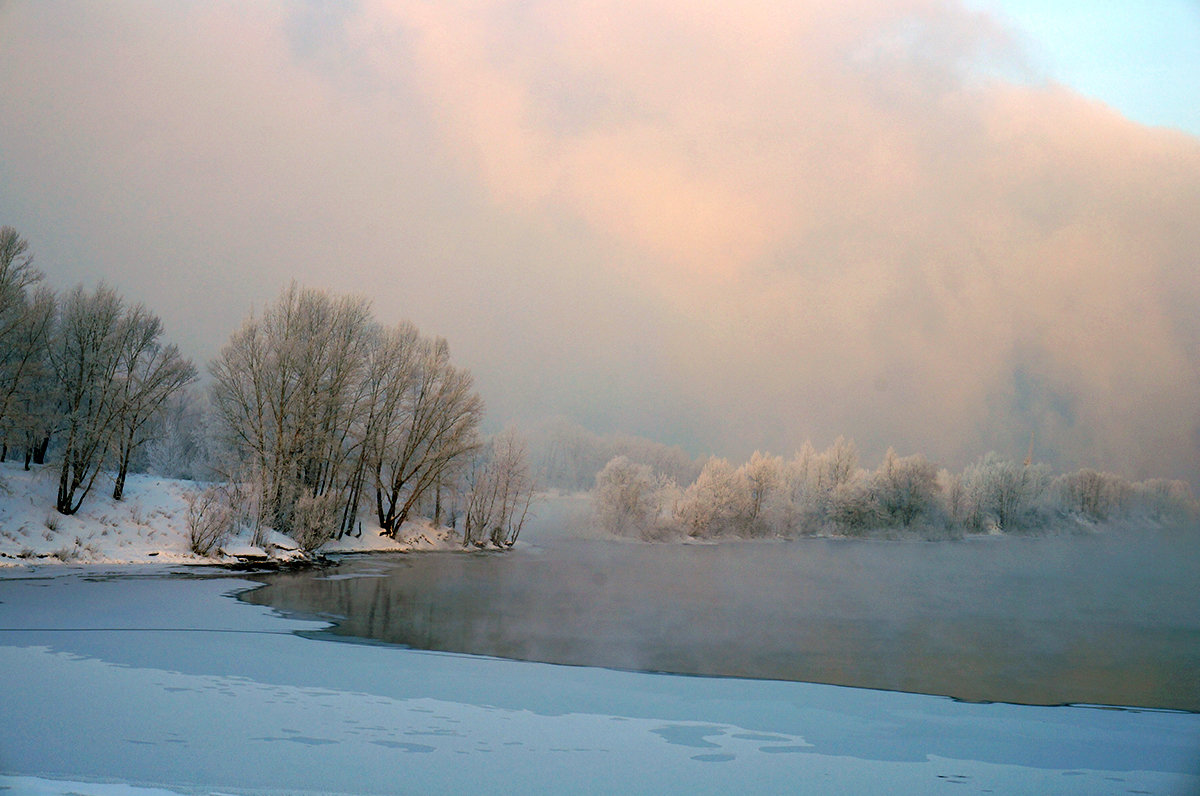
(734, 226)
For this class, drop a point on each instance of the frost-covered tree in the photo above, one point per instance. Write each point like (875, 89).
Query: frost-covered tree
(321, 403)
(1003, 495)
(904, 488)
(179, 444)
(853, 507)
(26, 319)
(1094, 495)
(625, 500)
(499, 491)
(150, 373)
(439, 415)
(763, 475)
(1164, 500)
(85, 355)
(287, 388)
(718, 503)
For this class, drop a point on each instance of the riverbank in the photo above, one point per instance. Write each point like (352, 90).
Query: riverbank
(167, 685)
(149, 526)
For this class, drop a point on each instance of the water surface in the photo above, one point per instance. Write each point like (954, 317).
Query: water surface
(1107, 619)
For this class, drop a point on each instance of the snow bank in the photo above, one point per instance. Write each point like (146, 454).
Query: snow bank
(148, 526)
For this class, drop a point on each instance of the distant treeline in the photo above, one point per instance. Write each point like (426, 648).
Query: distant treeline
(828, 493)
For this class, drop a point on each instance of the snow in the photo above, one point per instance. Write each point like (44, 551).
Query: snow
(148, 526)
(159, 682)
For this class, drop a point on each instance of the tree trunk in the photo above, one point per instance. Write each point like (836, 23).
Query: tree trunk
(63, 503)
(119, 487)
(39, 450)
(123, 469)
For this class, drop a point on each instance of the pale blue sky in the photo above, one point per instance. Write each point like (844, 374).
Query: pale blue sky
(1142, 58)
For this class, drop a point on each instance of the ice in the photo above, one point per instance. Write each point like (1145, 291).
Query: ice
(167, 683)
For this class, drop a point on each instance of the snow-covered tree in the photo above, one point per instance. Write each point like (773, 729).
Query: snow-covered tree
(439, 415)
(319, 401)
(150, 373)
(763, 475)
(1003, 495)
(625, 500)
(718, 503)
(904, 488)
(499, 492)
(26, 320)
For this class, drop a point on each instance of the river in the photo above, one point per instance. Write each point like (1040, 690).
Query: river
(1107, 619)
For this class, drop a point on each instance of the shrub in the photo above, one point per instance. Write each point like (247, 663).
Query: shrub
(314, 520)
(1097, 496)
(717, 504)
(210, 519)
(1003, 495)
(904, 488)
(626, 498)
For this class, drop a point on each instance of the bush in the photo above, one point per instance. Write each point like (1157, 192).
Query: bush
(904, 488)
(1002, 495)
(626, 500)
(210, 519)
(314, 520)
(717, 504)
(1097, 496)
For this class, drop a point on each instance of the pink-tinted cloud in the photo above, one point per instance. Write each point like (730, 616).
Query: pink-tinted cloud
(738, 225)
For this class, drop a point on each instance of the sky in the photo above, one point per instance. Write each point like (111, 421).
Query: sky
(919, 223)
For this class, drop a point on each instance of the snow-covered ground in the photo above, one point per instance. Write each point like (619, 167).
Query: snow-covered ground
(134, 683)
(148, 526)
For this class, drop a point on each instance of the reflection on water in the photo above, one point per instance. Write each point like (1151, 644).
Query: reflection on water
(1103, 620)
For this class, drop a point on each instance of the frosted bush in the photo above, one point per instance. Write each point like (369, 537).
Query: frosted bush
(1002, 495)
(209, 518)
(625, 501)
(1163, 500)
(1097, 496)
(314, 520)
(904, 489)
(717, 503)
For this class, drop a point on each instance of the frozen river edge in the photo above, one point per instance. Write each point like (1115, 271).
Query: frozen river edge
(126, 681)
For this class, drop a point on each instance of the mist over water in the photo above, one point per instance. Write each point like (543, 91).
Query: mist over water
(1099, 619)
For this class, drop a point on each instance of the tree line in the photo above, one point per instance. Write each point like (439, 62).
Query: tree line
(85, 370)
(829, 493)
(316, 414)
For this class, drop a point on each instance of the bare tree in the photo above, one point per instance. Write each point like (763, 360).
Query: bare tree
(499, 492)
(323, 403)
(150, 374)
(288, 390)
(433, 432)
(25, 323)
(86, 356)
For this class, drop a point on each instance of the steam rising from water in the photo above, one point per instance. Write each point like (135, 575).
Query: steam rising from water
(1104, 619)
